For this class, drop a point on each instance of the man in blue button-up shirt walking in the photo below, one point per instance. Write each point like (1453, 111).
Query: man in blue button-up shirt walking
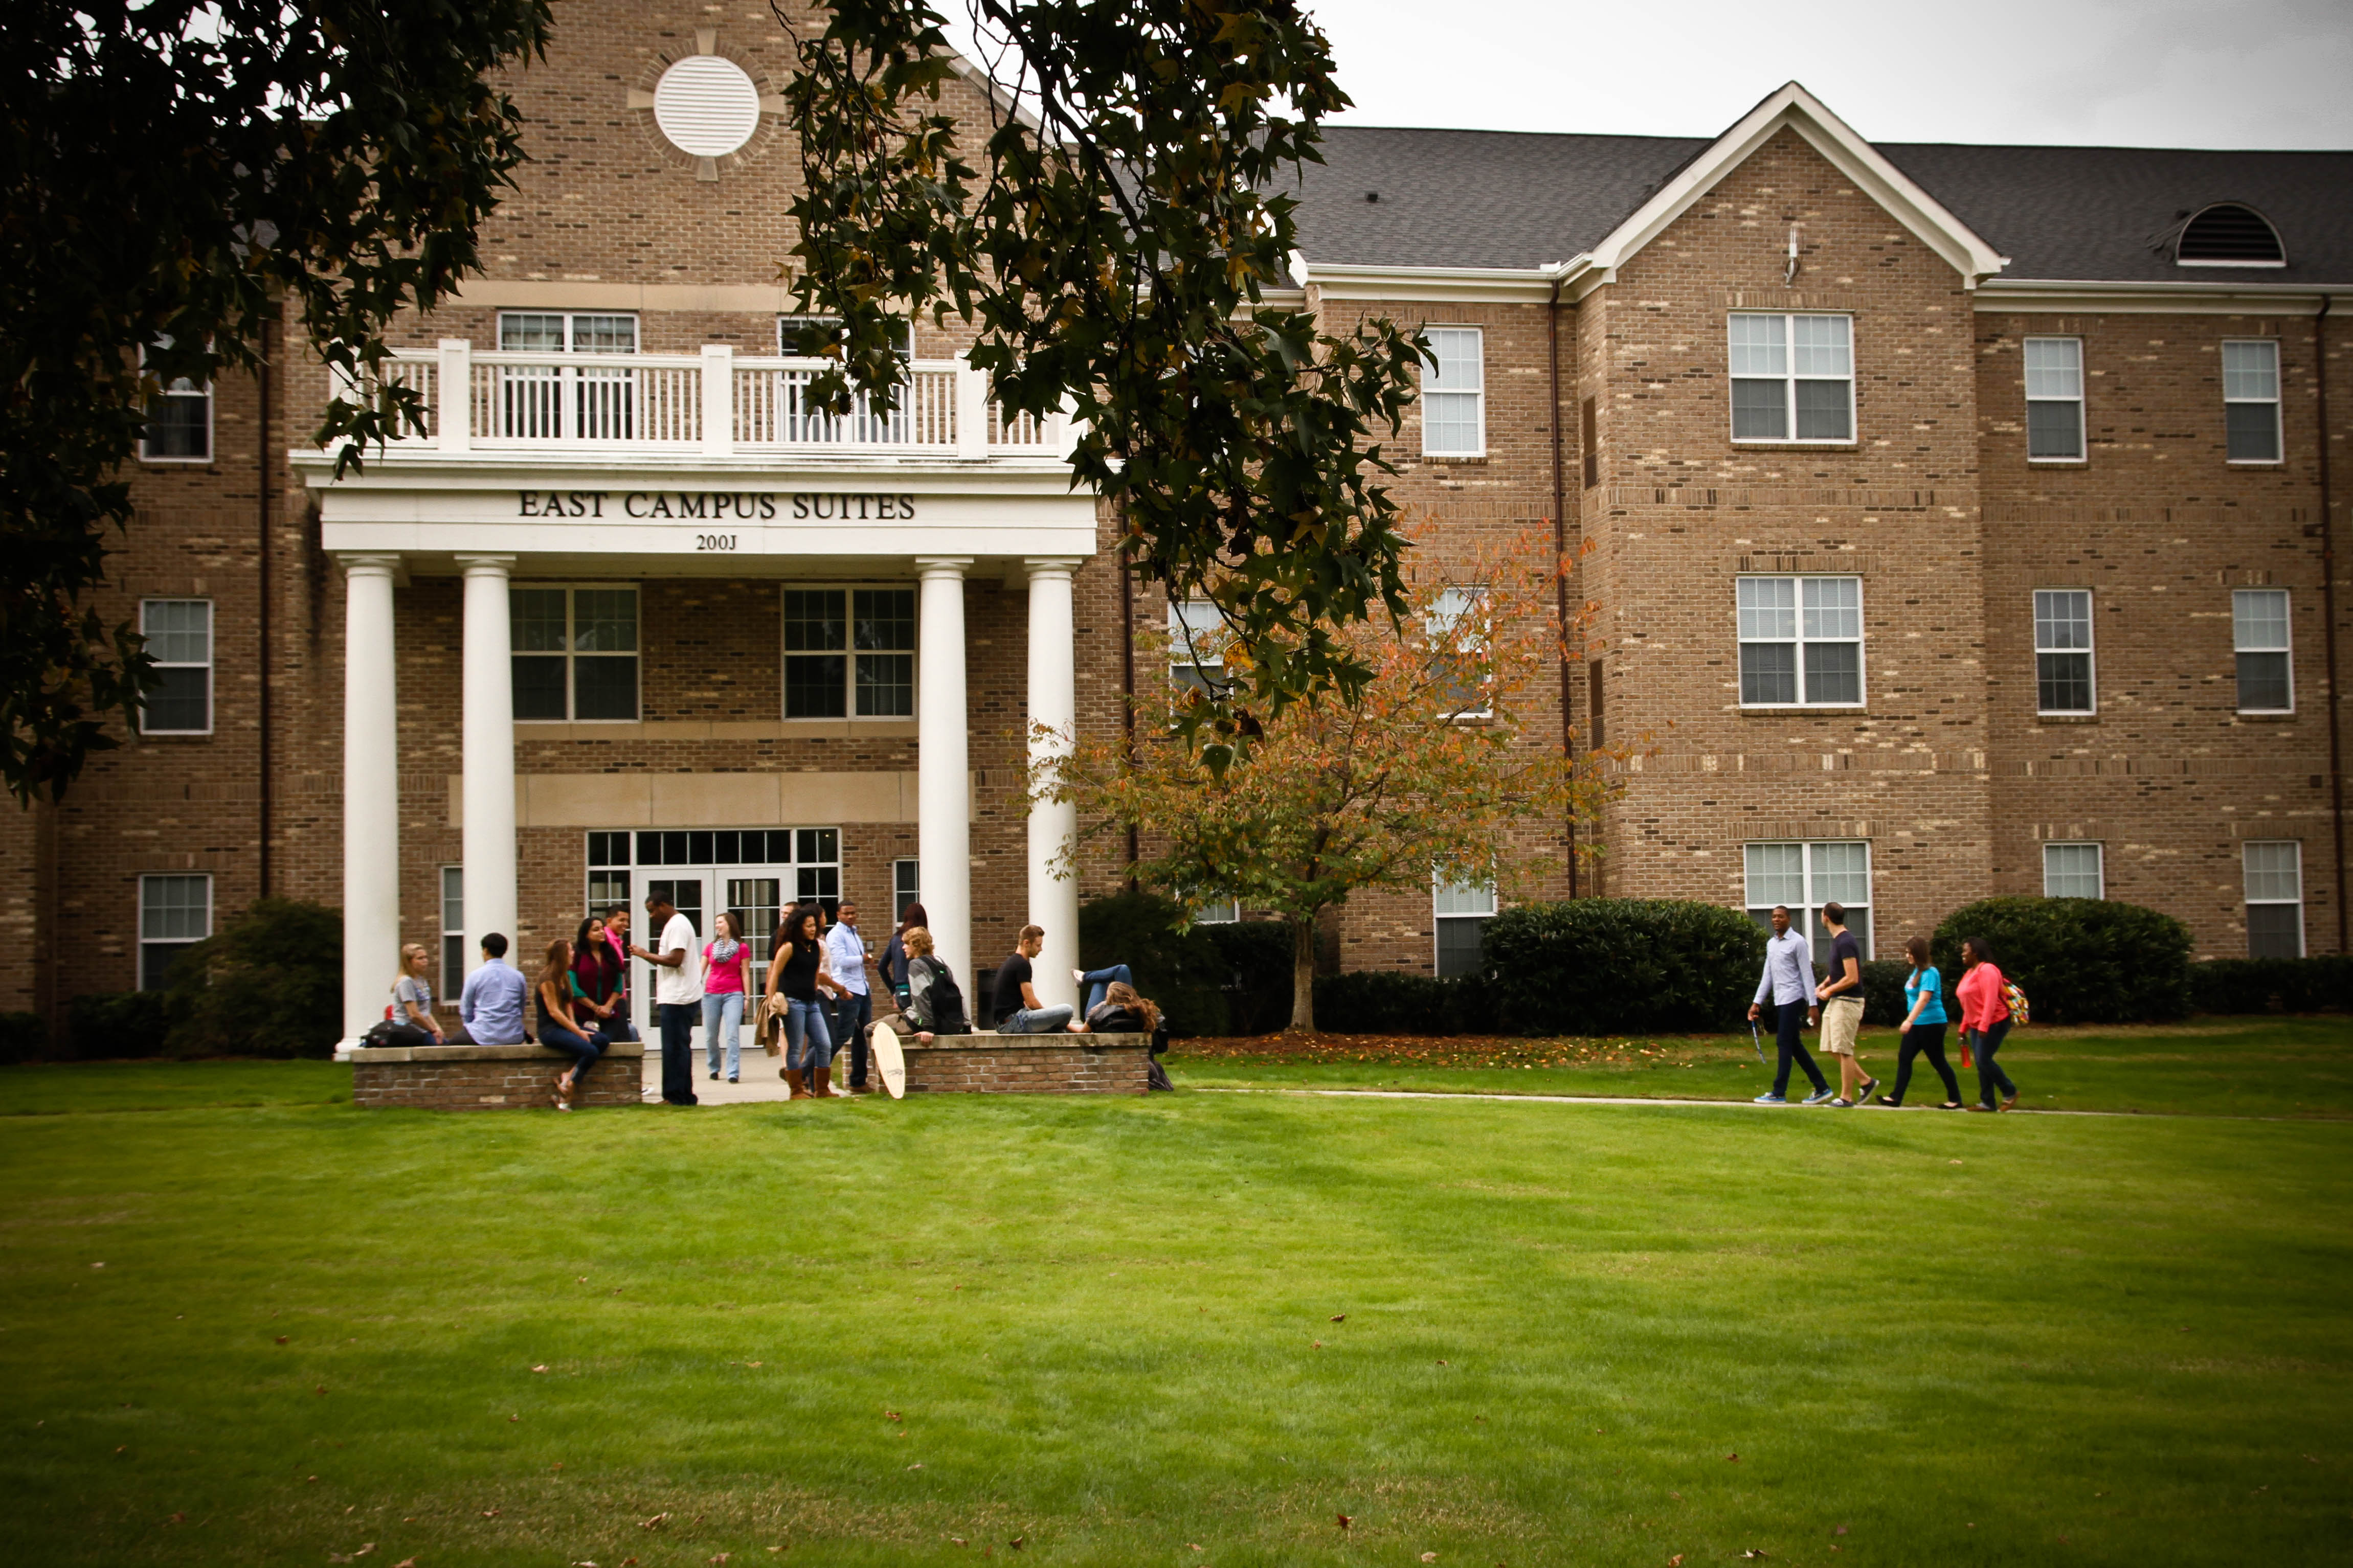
(1788, 983)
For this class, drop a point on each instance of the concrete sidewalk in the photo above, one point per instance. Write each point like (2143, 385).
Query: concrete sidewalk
(762, 1079)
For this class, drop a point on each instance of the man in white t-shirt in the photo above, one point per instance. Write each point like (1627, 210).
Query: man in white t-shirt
(678, 995)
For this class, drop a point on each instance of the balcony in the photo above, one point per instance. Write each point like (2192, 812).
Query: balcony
(712, 404)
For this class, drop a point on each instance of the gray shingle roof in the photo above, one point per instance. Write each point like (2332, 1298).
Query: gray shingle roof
(1492, 198)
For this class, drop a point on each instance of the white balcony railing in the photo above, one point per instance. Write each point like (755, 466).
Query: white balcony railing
(707, 404)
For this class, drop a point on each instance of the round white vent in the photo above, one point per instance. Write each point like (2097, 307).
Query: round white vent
(706, 106)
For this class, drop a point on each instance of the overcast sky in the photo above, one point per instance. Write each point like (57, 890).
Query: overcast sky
(2244, 73)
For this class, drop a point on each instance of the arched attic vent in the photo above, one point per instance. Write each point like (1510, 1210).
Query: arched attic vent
(2229, 233)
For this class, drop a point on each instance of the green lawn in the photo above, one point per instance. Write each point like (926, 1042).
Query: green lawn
(858, 1332)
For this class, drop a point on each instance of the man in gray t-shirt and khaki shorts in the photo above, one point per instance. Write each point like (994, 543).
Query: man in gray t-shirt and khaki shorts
(1841, 999)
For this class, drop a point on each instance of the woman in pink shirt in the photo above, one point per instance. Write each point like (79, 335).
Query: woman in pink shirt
(1985, 1020)
(726, 966)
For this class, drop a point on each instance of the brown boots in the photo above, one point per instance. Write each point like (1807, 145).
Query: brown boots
(824, 1090)
(793, 1081)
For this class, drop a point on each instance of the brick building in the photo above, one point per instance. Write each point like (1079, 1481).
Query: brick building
(1956, 518)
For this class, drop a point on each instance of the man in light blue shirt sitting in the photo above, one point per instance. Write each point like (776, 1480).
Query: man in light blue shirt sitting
(1788, 983)
(491, 1004)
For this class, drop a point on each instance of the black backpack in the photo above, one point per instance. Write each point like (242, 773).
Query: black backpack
(944, 998)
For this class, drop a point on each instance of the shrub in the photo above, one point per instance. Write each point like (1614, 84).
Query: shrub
(115, 1024)
(1386, 1002)
(1258, 954)
(270, 984)
(1185, 973)
(2273, 985)
(2080, 961)
(23, 1037)
(1883, 991)
(1621, 966)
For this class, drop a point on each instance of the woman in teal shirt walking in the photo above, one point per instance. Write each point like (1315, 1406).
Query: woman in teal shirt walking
(1924, 1027)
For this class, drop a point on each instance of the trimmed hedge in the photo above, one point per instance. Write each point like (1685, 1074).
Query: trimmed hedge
(113, 1026)
(2080, 961)
(270, 984)
(1184, 974)
(1257, 955)
(1591, 966)
(1385, 1002)
(23, 1037)
(2271, 986)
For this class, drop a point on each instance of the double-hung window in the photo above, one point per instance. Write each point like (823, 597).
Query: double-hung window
(2251, 400)
(2259, 637)
(575, 652)
(2062, 651)
(1461, 909)
(2054, 400)
(174, 914)
(179, 634)
(1805, 877)
(849, 653)
(2073, 871)
(1458, 631)
(453, 929)
(1800, 642)
(1792, 378)
(2274, 887)
(906, 886)
(1196, 641)
(179, 424)
(1454, 393)
(559, 401)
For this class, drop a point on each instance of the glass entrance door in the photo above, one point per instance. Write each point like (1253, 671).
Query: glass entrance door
(753, 901)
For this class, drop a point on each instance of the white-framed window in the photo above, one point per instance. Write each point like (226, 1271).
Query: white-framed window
(849, 653)
(1792, 378)
(574, 650)
(2063, 681)
(453, 929)
(179, 422)
(1460, 912)
(1806, 876)
(2274, 870)
(179, 634)
(2073, 871)
(1800, 642)
(582, 402)
(175, 912)
(2259, 637)
(567, 332)
(1454, 393)
(2251, 400)
(906, 887)
(791, 330)
(2054, 400)
(1457, 628)
(1197, 641)
(1215, 912)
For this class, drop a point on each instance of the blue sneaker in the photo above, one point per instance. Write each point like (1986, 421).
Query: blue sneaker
(1769, 1098)
(1822, 1095)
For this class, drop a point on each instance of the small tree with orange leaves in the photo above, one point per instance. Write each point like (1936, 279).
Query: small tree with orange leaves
(1431, 769)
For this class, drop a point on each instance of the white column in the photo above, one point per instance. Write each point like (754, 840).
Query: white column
(488, 757)
(454, 396)
(943, 779)
(371, 795)
(717, 400)
(1054, 705)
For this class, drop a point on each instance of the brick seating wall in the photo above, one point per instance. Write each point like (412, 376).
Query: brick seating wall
(490, 1077)
(1028, 1064)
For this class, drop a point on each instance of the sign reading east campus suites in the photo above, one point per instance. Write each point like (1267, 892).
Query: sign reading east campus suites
(720, 506)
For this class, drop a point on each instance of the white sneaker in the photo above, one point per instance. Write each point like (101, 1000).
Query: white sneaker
(1078, 975)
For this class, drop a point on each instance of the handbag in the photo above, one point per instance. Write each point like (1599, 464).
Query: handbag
(772, 1024)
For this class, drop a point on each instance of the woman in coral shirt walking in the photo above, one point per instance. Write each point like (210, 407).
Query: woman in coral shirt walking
(1985, 1020)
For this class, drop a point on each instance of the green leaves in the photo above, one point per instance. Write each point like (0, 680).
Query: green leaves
(1113, 247)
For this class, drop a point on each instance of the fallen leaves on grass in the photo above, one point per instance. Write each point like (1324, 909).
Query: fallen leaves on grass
(1732, 1458)
(654, 1523)
(893, 1416)
(282, 1339)
(406, 1562)
(1676, 1561)
(1840, 1530)
(493, 1512)
(98, 1266)
(510, 1418)
(542, 1367)
(1345, 1522)
(718, 1557)
(1016, 1544)
(1429, 1557)
(1339, 1317)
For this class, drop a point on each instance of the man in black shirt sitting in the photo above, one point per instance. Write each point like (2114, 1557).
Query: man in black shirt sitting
(1015, 999)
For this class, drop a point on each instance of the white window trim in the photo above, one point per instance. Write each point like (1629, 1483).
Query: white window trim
(850, 715)
(212, 434)
(637, 330)
(2277, 403)
(451, 982)
(2303, 945)
(2082, 415)
(1807, 914)
(1862, 641)
(145, 942)
(1478, 393)
(1218, 912)
(2091, 655)
(2287, 620)
(1789, 379)
(2100, 859)
(210, 666)
(571, 655)
(1185, 649)
(1475, 596)
(1438, 883)
(898, 904)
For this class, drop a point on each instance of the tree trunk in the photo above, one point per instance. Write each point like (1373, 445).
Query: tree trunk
(1302, 975)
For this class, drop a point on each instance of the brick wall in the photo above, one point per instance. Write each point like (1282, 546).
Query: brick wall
(522, 1082)
(1016, 1064)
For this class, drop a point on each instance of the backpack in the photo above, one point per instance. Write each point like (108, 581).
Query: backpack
(2015, 1000)
(943, 1000)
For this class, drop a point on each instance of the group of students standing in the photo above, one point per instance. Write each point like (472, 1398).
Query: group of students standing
(1798, 999)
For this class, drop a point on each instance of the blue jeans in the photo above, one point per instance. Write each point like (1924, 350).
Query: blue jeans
(807, 1047)
(1792, 1018)
(1095, 982)
(852, 1011)
(678, 1050)
(724, 1010)
(1990, 1076)
(584, 1051)
(617, 1028)
(1036, 1021)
